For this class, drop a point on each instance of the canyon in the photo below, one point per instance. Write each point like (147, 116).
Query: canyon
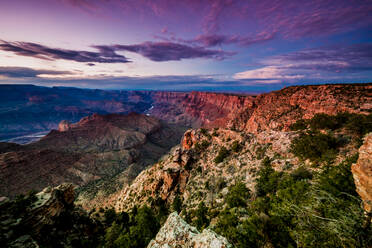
(131, 149)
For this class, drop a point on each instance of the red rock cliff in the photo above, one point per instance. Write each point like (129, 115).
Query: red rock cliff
(277, 110)
(362, 173)
(199, 108)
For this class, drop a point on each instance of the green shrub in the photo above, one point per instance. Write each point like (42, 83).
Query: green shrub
(267, 179)
(298, 125)
(204, 131)
(315, 146)
(236, 146)
(177, 204)
(301, 173)
(199, 147)
(201, 214)
(222, 154)
(238, 195)
(324, 121)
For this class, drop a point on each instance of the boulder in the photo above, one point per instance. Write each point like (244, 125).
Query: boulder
(177, 233)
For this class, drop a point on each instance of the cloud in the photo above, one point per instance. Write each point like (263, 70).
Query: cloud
(24, 72)
(295, 19)
(167, 51)
(155, 51)
(217, 40)
(266, 73)
(353, 58)
(104, 54)
(324, 63)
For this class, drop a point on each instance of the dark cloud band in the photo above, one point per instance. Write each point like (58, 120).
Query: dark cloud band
(155, 51)
(104, 55)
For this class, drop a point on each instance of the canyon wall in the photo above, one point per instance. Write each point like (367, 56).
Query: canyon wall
(277, 110)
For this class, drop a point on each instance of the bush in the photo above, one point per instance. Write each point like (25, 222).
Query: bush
(204, 131)
(238, 195)
(323, 121)
(236, 146)
(201, 213)
(222, 154)
(315, 146)
(199, 147)
(177, 204)
(301, 173)
(298, 125)
(267, 179)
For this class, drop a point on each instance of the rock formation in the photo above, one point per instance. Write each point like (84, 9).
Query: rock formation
(277, 110)
(50, 203)
(177, 233)
(199, 108)
(46, 219)
(64, 126)
(362, 173)
(96, 147)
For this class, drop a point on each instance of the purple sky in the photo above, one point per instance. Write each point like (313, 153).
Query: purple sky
(214, 45)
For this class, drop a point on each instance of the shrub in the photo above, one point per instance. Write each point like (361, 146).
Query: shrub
(301, 173)
(201, 213)
(204, 131)
(315, 146)
(222, 154)
(267, 179)
(177, 204)
(236, 146)
(298, 125)
(323, 121)
(199, 147)
(238, 195)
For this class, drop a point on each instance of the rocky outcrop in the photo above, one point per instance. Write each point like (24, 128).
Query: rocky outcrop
(50, 204)
(46, 219)
(177, 233)
(190, 171)
(103, 132)
(362, 173)
(64, 126)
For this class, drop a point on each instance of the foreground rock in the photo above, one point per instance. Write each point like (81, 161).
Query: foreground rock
(362, 173)
(177, 233)
(45, 219)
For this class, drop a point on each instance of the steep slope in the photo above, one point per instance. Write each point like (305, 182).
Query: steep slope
(191, 170)
(270, 189)
(277, 110)
(198, 108)
(362, 172)
(97, 147)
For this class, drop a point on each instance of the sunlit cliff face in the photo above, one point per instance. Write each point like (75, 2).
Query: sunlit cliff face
(225, 45)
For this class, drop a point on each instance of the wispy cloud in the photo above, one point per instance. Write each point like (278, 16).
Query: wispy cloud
(155, 51)
(104, 54)
(24, 72)
(166, 51)
(323, 63)
(301, 18)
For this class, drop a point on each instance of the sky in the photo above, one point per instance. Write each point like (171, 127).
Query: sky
(211, 45)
